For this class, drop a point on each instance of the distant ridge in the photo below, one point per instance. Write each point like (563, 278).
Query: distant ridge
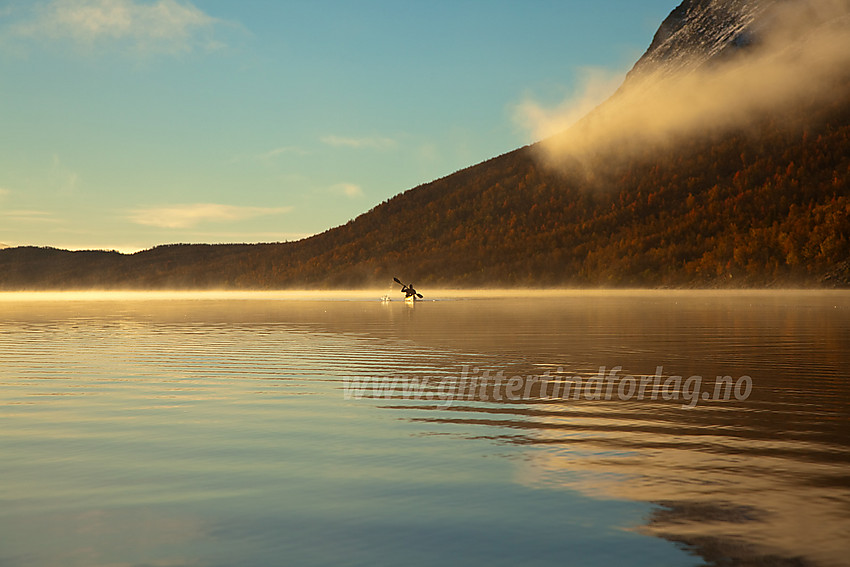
(763, 200)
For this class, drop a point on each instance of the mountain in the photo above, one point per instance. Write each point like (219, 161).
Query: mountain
(699, 31)
(722, 161)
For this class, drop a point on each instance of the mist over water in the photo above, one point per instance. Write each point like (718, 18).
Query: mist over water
(213, 430)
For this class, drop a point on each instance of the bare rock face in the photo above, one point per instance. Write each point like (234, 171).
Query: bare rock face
(700, 30)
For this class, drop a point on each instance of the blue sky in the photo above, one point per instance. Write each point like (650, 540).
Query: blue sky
(131, 123)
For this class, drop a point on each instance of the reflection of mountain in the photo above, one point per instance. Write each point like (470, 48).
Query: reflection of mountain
(736, 497)
(730, 170)
(757, 482)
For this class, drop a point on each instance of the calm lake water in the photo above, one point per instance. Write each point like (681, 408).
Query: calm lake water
(328, 429)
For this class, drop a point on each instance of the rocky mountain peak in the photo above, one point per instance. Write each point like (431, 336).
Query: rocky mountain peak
(700, 30)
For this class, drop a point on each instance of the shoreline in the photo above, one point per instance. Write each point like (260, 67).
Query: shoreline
(375, 294)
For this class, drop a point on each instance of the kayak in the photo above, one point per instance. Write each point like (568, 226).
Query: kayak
(410, 294)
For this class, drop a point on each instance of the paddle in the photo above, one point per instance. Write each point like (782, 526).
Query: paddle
(404, 288)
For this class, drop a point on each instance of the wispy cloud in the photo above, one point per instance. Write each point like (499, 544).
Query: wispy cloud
(189, 215)
(595, 86)
(350, 190)
(26, 215)
(268, 155)
(375, 142)
(284, 150)
(164, 26)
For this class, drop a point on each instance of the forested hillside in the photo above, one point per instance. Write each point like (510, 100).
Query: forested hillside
(759, 201)
(755, 207)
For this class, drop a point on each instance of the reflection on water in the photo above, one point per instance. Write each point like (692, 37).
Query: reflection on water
(214, 431)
